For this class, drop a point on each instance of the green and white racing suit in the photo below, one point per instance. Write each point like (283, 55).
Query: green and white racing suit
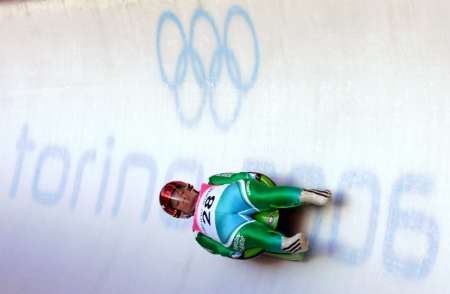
(223, 218)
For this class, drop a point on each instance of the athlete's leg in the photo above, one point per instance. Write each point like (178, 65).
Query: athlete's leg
(264, 197)
(257, 235)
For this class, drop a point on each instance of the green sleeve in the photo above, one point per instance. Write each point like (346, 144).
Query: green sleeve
(227, 178)
(215, 247)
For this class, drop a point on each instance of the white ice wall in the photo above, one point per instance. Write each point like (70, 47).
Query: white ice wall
(101, 102)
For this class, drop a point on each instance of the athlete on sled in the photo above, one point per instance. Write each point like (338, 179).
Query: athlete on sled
(236, 214)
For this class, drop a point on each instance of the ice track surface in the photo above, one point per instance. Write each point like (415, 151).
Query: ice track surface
(101, 102)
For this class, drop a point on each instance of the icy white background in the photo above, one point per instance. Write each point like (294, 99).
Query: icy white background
(95, 117)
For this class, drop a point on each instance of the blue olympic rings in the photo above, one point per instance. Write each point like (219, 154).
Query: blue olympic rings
(207, 79)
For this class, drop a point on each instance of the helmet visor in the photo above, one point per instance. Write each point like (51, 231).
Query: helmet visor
(183, 199)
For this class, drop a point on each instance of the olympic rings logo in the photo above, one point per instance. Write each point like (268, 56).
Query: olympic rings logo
(207, 78)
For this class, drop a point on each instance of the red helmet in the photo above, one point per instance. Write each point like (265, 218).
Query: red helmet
(167, 194)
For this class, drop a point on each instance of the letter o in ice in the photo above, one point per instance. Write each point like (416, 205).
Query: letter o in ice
(51, 196)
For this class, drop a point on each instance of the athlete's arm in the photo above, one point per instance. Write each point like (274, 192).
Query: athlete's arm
(215, 247)
(227, 178)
